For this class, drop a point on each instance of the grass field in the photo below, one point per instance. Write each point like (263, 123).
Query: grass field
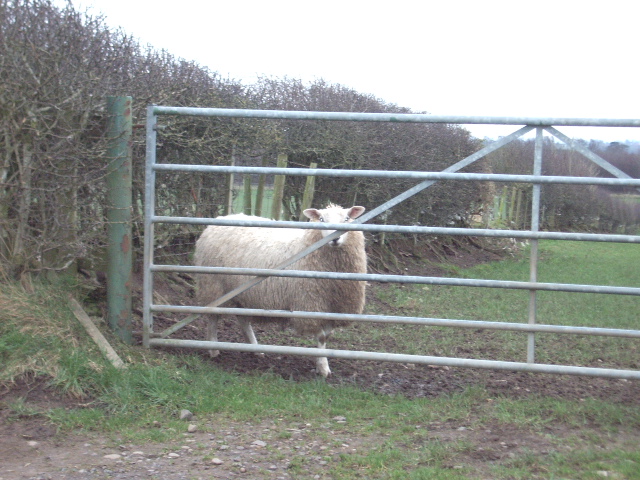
(453, 436)
(560, 262)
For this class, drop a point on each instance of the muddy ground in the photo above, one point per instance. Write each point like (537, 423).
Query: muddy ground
(405, 379)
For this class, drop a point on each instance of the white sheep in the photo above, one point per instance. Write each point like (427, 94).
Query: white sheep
(257, 247)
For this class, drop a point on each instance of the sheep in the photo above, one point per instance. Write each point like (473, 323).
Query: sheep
(253, 247)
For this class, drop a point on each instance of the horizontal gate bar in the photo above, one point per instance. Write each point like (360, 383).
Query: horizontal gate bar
(425, 321)
(374, 277)
(427, 179)
(400, 358)
(371, 227)
(395, 117)
(413, 175)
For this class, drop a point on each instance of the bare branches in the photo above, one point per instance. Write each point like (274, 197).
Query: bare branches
(57, 66)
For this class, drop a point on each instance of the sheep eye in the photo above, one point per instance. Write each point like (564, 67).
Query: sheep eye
(322, 219)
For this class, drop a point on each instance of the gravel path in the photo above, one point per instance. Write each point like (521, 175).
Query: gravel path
(239, 450)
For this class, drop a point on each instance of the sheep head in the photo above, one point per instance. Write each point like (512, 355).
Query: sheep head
(333, 214)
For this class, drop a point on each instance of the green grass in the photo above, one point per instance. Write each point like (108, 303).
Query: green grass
(560, 262)
(400, 438)
(630, 198)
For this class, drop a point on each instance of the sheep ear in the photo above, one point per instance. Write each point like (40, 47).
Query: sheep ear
(355, 212)
(312, 213)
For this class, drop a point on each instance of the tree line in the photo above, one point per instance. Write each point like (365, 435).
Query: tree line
(58, 65)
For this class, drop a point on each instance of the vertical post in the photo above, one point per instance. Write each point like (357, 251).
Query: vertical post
(230, 181)
(119, 192)
(309, 190)
(278, 188)
(149, 212)
(535, 226)
(260, 192)
(512, 207)
(247, 194)
(519, 215)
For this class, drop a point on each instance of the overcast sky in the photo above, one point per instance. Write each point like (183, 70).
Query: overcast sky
(548, 58)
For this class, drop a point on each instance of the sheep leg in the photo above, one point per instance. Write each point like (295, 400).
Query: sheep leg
(322, 363)
(247, 330)
(212, 333)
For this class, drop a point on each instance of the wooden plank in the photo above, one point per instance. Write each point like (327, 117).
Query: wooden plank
(93, 331)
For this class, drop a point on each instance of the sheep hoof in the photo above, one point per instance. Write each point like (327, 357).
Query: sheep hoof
(214, 353)
(323, 370)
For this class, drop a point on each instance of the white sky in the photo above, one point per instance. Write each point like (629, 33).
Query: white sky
(548, 58)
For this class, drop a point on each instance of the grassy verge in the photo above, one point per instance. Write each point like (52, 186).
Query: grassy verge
(452, 436)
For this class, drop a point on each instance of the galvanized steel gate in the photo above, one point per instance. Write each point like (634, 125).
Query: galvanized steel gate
(426, 179)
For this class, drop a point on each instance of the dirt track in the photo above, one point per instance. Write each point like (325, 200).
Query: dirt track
(273, 449)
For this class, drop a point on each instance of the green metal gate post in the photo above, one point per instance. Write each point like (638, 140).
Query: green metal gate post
(119, 193)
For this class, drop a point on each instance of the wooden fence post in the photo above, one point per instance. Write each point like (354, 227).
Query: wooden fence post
(247, 194)
(228, 204)
(278, 188)
(260, 191)
(309, 190)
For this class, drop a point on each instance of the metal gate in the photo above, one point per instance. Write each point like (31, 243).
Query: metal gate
(425, 180)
